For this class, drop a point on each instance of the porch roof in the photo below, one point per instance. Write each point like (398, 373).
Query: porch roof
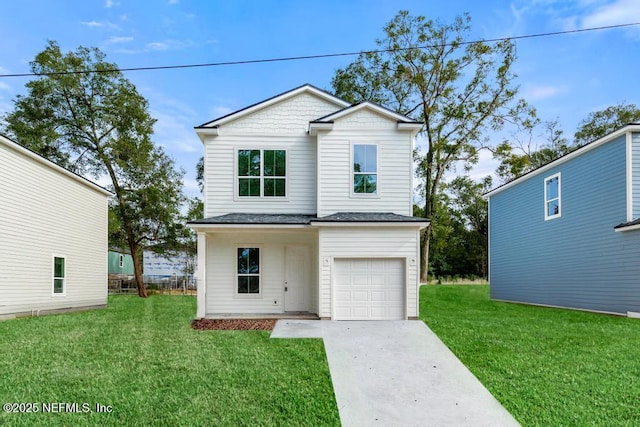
(261, 219)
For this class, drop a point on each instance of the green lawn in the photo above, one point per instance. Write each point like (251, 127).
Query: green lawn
(547, 366)
(141, 357)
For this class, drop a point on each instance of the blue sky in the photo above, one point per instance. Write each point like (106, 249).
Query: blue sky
(564, 77)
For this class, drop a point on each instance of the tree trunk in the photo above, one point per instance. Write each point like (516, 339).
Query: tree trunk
(424, 254)
(137, 269)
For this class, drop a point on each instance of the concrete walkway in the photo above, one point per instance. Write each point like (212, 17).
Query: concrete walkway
(398, 373)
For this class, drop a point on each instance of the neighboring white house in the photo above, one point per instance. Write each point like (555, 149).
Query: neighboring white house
(308, 204)
(53, 236)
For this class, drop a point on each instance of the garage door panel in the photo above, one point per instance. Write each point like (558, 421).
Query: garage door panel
(369, 288)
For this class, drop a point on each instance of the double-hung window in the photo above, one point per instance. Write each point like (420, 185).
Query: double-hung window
(248, 271)
(59, 274)
(262, 173)
(552, 197)
(365, 169)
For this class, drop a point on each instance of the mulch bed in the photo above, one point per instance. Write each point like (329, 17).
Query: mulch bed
(233, 324)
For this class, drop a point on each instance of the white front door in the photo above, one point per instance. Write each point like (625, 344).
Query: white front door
(296, 278)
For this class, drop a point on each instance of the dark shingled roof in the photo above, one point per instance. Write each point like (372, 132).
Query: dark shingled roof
(628, 224)
(302, 219)
(369, 217)
(253, 218)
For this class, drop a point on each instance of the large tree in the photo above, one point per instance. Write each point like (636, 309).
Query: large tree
(535, 144)
(458, 89)
(82, 113)
(600, 123)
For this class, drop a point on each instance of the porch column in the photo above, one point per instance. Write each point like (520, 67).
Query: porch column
(202, 275)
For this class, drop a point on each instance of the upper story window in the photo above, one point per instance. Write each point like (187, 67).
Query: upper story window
(365, 169)
(59, 274)
(552, 197)
(262, 173)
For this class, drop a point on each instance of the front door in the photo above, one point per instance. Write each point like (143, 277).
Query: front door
(296, 278)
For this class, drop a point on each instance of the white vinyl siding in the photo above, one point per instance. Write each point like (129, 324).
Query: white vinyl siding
(221, 176)
(367, 243)
(221, 279)
(46, 212)
(394, 166)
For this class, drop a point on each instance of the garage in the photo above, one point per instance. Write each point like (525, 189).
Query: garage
(369, 289)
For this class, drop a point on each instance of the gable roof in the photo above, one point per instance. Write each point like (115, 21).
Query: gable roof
(631, 127)
(15, 146)
(340, 103)
(384, 111)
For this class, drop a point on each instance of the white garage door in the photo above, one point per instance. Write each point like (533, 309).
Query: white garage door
(369, 289)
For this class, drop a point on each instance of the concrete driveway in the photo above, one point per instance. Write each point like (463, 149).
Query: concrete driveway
(398, 373)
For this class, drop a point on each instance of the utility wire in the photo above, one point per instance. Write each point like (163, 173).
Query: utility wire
(327, 55)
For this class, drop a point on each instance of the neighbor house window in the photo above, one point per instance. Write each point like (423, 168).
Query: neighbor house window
(248, 271)
(552, 197)
(121, 261)
(262, 173)
(59, 275)
(365, 169)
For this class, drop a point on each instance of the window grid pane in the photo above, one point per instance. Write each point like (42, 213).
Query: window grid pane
(260, 164)
(248, 271)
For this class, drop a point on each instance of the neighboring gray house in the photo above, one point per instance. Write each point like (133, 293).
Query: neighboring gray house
(568, 233)
(53, 236)
(308, 204)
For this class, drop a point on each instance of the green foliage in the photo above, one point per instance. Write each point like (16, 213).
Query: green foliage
(548, 367)
(528, 150)
(141, 357)
(603, 122)
(96, 123)
(459, 90)
(460, 230)
(200, 173)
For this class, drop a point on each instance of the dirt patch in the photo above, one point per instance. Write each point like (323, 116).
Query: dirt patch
(233, 324)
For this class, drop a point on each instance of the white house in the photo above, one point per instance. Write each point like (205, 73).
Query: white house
(53, 236)
(308, 204)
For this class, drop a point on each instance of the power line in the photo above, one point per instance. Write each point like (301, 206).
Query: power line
(321, 56)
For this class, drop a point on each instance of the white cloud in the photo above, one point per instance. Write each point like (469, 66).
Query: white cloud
(160, 46)
(110, 3)
(97, 24)
(117, 40)
(618, 12)
(542, 91)
(5, 87)
(172, 2)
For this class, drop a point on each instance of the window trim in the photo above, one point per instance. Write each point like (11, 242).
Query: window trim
(547, 200)
(352, 172)
(237, 294)
(262, 149)
(53, 276)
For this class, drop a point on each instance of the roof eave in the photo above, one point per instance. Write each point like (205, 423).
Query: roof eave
(314, 127)
(204, 132)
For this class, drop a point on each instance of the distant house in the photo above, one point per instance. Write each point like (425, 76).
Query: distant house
(120, 262)
(308, 205)
(53, 236)
(568, 233)
(157, 267)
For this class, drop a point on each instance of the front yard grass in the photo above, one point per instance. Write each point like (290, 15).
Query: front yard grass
(546, 366)
(141, 358)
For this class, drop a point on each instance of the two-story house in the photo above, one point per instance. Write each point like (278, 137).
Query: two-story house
(308, 208)
(53, 236)
(568, 234)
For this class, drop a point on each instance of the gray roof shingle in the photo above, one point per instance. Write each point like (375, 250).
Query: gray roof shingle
(304, 219)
